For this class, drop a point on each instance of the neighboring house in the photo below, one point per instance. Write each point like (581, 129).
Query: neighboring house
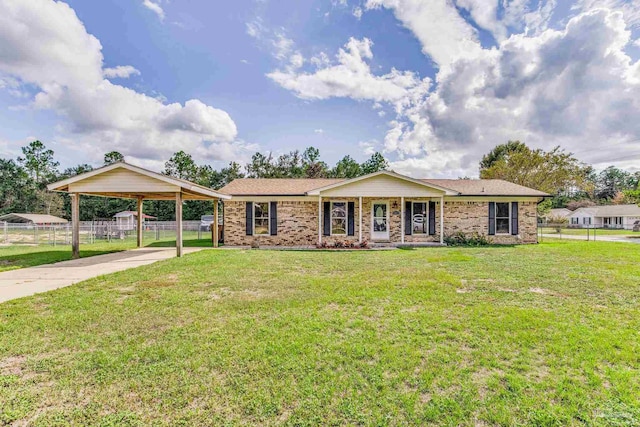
(610, 216)
(559, 213)
(27, 218)
(380, 207)
(126, 220)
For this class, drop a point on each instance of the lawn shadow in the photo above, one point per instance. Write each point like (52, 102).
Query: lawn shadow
(33, 259)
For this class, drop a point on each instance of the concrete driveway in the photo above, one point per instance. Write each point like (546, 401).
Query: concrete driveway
(33, 280)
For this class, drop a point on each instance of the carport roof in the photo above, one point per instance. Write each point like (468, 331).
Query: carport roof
(32, 218)
(128, 181)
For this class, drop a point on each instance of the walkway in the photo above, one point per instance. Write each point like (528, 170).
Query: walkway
(33, 280)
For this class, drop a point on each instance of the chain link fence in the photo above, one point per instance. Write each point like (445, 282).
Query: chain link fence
(588, 233)
(97, 231)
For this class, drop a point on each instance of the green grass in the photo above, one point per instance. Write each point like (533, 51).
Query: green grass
(544, 335)
(599, 232)
(20, 256)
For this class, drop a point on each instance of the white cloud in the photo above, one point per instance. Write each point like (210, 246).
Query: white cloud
(443, 33)
(357, 12)
(154, 7)
(350, 76)
(630, 9)
(574, 87)
(368, 147)
(318, 131)
(44, 44)
(121, 72)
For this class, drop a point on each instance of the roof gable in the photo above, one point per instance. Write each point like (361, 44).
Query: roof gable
(275, 186)
(382, 184)
(125, 180)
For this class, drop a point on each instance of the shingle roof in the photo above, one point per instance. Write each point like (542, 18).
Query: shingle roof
(275, 186)
(485, 187)
(298, 187)
(32, 218)
(610, 210)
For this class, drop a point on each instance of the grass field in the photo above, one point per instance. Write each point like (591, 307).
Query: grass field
(543, 335)
(20, 256)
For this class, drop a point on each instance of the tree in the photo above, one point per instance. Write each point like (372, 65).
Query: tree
(181, 165)
(501, 152)
(375, 163)
(49, 202)
(16, 188)
(577, 204)
(39, 163)
(346, 167)
(553, 172)
(612, 181)
(113, 157)
(261, 166)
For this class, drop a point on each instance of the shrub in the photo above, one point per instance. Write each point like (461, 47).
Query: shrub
(462, 239)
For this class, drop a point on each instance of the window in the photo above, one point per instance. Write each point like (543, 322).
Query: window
(339, 218)
(502, 218)
(586, 220)
(575, 221)
(419, 218)
(261, 218)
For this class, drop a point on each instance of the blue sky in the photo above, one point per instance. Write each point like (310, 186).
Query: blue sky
(433, 85)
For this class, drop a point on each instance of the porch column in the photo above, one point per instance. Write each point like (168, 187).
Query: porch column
(360, 219)
(75, 224)
(214, 226)
(402, 219)
(179, 224)
(319, 220)
(441, 220)
(140, 220)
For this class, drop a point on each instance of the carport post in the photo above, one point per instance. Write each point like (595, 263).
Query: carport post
(75, 224)
(214, 226)
(179, 224)
(140, 222)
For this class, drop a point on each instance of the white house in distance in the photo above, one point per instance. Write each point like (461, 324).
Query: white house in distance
(611, 216)
(126, 220)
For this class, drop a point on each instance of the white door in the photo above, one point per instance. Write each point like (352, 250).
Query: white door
(380, 221)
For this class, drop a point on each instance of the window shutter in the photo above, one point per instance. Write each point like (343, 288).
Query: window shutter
(408, 223)
(492, 218)
(273, 219)
(350, 223)
(326, 229)
(514, 218)
(432, 218)
(249, 224)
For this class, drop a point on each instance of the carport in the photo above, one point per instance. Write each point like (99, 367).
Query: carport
(132, 182)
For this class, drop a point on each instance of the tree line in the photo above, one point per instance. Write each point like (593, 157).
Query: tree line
(23, 180)
(572, 183)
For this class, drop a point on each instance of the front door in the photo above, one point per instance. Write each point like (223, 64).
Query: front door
(380, 221)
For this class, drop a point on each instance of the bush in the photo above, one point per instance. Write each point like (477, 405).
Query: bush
(462, 239)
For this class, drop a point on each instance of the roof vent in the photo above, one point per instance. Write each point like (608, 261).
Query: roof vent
(483, 189)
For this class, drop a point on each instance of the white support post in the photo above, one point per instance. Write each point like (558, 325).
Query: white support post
(214, 226)
(402, 219)
(441, 220)
(360, 219)
(179, 224)
(140, 220)
(75, 224)
(319, 220)
(6, 232)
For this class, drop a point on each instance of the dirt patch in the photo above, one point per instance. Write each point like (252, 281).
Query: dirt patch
(12, 365)
(542, 291)
(463, 290)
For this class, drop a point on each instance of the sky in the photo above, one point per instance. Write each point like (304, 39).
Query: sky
(433, 85)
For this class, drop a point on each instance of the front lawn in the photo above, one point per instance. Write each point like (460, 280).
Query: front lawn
(543, 334)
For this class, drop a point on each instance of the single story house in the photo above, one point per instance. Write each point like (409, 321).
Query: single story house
(384, 207)
(610, 216)
(127, 220)
(559, 213)
(28, 218)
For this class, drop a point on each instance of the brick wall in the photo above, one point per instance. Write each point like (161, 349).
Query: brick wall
(298, 223)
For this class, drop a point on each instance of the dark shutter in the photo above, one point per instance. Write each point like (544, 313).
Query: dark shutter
(249, 219)
(408, 229)
(432, 218)
(492, 218)
(326, 220)
(351, 206)
(273, 219)
(514, 218)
